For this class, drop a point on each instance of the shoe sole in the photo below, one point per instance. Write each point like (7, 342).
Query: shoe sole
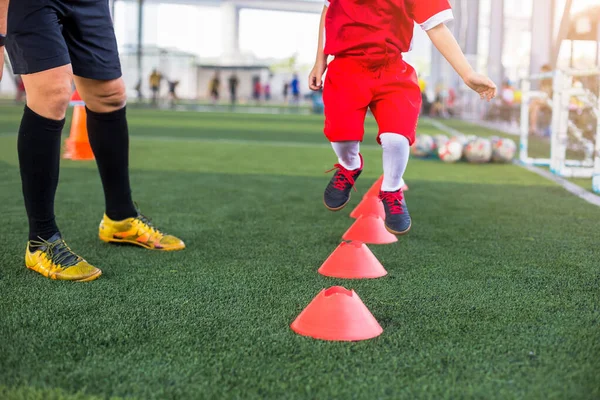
(86, 279)
(393, 232)
(338, 208)
(133, 243)
(91, 278)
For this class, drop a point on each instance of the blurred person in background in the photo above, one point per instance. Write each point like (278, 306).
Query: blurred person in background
(172, 84)
(155, 81)
(582, 108)
(286, 92)
(267, 90)
(215, 87)
(317, 101)
(539, 109)
(438, 107)
(233, 87)
(138, 90)
(256, 89)
(518, 97)
(507, 102)
(451, 103)
(295, 86)
(506, 108)
(426, 106)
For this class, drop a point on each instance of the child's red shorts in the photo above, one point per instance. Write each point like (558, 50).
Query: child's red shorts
(391, 91)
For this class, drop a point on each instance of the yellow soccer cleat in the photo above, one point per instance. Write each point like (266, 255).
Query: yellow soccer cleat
(55, 260)
(138, 231)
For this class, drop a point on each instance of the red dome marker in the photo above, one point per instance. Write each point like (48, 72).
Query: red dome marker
(337, 314)
(352, 260)
(375, 189)
(369, 229)
(370, 205)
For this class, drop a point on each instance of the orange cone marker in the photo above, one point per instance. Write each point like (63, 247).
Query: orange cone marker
(352, 260)
(337, 314)
(370, 205)
(76, 99)
(77, 146)
(375, 188)
(369, 229)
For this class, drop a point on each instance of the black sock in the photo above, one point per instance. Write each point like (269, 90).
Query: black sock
(109, 138)
(38, 146)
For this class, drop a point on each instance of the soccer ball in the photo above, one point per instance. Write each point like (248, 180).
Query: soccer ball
(470, 138)
(462, 139)
(478, 151)
(503, 150)
(451, 151)
(423, 146)
(440, 140)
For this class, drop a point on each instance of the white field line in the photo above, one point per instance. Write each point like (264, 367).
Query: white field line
(442, 127)
(569, 186)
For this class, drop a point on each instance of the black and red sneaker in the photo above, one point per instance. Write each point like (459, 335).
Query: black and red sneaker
(397, 219)
(337, 192)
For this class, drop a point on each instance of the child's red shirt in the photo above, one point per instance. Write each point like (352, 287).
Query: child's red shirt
(379, 29)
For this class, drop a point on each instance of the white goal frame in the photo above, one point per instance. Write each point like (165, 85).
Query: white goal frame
(561, 126)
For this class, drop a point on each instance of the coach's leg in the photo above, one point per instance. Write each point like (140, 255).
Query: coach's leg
(109, 138)
(38, 145)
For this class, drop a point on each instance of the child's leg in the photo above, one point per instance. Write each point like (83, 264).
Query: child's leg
(337, 192)
(396, 106)
(348, 153)
(345, 98)
(396, 151)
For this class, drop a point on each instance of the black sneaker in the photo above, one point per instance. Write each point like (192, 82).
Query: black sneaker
(397, 219)
(337, 193)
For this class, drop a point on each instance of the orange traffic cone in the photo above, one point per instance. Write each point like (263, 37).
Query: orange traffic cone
(76, 99)
(337, 314)
(369, 229)
(77, 146)
(352, 260)
(370, 205)
(375, 188)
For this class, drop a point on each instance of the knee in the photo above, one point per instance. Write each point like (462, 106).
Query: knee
(107, 97)
(393, 141)
(51, 99)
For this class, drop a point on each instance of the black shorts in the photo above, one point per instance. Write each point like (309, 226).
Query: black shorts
(45, 34)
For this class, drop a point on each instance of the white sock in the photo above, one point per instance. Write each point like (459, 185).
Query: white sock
(396, 151)
(348, 153)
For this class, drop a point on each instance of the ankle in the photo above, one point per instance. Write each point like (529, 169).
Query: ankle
(43, 235)
(121, 214)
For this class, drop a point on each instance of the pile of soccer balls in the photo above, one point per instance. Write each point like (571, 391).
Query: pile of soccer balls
(473, 149)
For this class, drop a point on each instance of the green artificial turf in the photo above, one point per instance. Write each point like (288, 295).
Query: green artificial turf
(495, 293)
